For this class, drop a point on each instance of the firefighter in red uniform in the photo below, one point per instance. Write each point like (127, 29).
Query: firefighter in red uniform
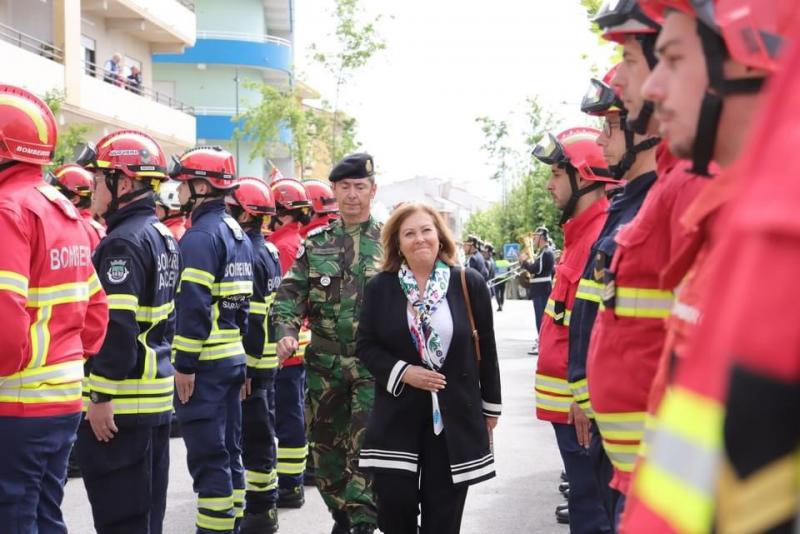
(168, 209)
(54, 313)
(705, 88)
(293, 207)
(75, 183)
(628, 334)
(573, 176)
(323, 205)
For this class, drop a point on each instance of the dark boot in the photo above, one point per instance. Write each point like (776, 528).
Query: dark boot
(291, 497)
(563, 487)
(562, 516)
(264, 523)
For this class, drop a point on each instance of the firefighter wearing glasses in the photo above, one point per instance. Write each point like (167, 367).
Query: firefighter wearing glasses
(576, 185)
(54, 313)
(212, 306)
(250, 204)
(75, 183)
(123, 444)
(293, 213)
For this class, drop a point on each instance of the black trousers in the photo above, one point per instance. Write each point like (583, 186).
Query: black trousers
(126, 478)
(259, 452)
(400, 498)
(603, 472)
(500, 294)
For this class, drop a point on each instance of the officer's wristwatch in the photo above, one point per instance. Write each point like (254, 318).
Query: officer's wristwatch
(99, 398)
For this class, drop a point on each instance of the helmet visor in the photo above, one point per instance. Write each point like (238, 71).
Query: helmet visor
(549, 151)
(86, 155)
(599, 99)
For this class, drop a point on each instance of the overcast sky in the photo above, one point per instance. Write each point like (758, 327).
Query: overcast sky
(448, 62)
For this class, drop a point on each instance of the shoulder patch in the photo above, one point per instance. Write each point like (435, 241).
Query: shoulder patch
(273, 250)
(54, 195)
(238, 233)
(117, 270)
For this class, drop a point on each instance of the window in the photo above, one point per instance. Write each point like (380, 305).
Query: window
(89, 55)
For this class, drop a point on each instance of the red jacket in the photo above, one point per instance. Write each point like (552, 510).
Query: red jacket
(648, 509)
(176, 225)
(53, 307)
(629, 332)
(553, 395)
(288, 240)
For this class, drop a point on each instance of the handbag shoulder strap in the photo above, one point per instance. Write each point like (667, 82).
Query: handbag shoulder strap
(468, 302)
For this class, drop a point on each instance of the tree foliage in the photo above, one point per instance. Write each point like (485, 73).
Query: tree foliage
(357, 41)
(528, 204)
(69, 137)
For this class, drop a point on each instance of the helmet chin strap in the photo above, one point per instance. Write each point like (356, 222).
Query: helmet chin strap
(632, 149)
(112, 182)
(191, 203)
(572, 203)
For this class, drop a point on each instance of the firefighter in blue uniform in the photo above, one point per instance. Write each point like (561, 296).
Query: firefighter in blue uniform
(212, 306)
(249, 204)
(123, 443)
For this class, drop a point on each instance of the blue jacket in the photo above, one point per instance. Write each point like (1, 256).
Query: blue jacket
(138, 264)
(215, 288)
(623, 209)
(542, 270)
(260, 330)
(478, 262)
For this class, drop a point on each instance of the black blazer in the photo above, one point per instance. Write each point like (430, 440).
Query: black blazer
(401, 413)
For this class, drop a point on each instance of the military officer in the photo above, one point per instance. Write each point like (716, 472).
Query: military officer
(325, 285)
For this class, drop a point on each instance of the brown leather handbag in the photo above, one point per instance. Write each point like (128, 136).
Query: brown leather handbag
(468, 302)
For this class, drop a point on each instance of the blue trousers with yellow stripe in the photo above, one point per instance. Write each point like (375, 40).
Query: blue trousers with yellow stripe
(259, 452)
(290, 425)
(211, 423)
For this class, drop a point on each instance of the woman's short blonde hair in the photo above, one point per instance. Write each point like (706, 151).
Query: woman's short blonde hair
(390, 236)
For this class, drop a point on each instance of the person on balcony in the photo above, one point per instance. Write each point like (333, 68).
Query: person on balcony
(112, 70)
(134, 80)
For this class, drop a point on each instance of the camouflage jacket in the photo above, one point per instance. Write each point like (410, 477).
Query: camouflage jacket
(326, 285)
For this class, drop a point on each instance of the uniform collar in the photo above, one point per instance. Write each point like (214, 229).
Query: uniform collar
(210, 206)
(289, 228)
(21, 172)
(255, 235)
(633, 190)
(142, 206)
(576, 226)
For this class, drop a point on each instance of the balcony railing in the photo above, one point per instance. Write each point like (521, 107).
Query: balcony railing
(252, 37)
(31, 44)
(188, 4)
(129, 84)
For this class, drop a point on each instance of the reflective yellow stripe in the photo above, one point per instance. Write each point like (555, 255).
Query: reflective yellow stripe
(643, 303)
(622, 455)
(265, 362)
(552, 384)
(261, 482)
(678, 477)
(553, 403)
(291, 468)
(220, 524)
(226, 335)
(217, 504)
(293, 452)
(622, 426)
(94, 284)
(137, 405)
(155, 314)
(121, 301)
(590, 290)
(218, 352)
(60, 294)
(40, 337)
(564, 316)
(14, 282)
(204, 278)
(51, 383)
(238, 502)
(131, 386)
(187, 344)
(226, 289)
(258, 308)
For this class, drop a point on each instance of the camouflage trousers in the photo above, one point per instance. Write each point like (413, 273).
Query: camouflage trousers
(340, 393)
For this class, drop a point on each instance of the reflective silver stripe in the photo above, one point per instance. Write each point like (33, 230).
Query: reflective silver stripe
(552, 385)
(561, 404)
(590, 290)
(121, 301)
(43, 393)
(130, 386)
(62, 373)
(140, 405)
(694, 466)
(642, 302)
(265, 362)
(540, 279)
(40, 337)
(60, 294)
(227, 335)
(580, 389)
(187, 344)
(623, 456)
(11, 281)
(222, 351)
(622, 426)
(155, 314)
(226, 289)
(685, 312)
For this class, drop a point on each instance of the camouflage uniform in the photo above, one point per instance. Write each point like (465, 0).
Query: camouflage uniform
(326, 284)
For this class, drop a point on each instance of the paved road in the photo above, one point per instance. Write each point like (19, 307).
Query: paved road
(520, 500)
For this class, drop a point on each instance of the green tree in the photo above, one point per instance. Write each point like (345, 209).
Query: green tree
(357, 41)
(70, 136)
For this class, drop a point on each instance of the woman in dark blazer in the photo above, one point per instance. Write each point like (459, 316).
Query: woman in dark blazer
(429, 434)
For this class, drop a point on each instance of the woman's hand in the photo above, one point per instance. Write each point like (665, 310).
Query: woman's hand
(424, 379)
(491, 422)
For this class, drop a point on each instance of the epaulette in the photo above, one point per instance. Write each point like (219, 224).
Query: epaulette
(273, 250)
(317, 231)
(54, 195)
(238, 233)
